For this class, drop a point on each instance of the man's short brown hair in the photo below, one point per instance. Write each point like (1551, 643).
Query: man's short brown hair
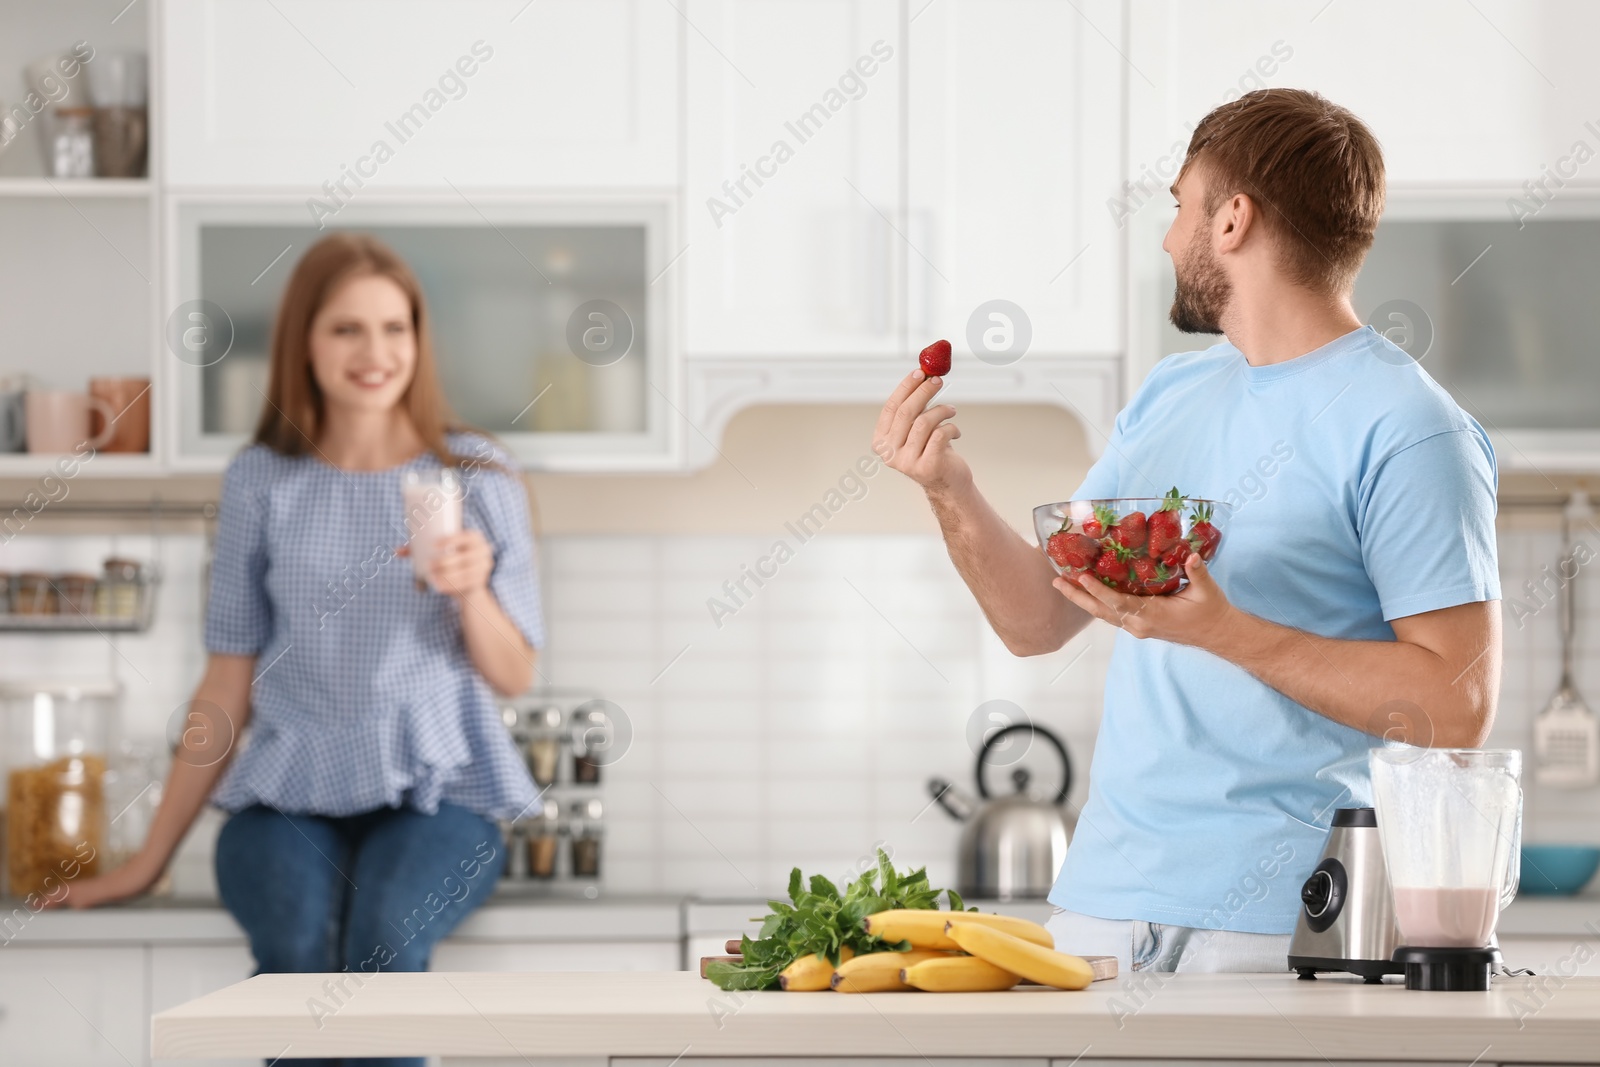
(1313, 169)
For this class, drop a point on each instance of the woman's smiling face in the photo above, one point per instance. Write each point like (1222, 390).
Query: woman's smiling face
(363, 344)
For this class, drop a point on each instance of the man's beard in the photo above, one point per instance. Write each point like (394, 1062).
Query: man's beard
(1202, 289)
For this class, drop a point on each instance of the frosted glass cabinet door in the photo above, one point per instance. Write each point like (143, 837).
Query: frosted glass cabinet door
(546, 332)
(571, 93)
(1500, 312)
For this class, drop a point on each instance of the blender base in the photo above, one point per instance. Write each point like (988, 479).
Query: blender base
(1447, 969)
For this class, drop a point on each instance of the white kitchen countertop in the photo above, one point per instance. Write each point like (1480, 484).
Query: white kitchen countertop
(676, 1014)
(509, 916)
(517, 915)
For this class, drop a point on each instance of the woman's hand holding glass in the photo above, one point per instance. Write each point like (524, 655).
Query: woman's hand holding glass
(462, 563)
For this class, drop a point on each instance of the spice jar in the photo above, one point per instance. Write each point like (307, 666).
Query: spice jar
(586, 840)
(116, 596)
(33, 593)
(512, 836)
(57, 735)
(544, 744)
(594, 733)
(75, 594)
(543, 835)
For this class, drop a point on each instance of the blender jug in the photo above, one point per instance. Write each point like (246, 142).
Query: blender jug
(1451, 825)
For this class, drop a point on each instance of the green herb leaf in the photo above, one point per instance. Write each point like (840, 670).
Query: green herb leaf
(823, 921)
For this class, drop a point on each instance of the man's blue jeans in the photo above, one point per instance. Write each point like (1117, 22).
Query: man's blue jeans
(360, 893)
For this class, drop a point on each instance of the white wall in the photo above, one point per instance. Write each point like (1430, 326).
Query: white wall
(802, 731)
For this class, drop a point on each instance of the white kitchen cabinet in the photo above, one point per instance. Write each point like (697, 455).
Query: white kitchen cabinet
(1449, 89)
(1014, 154)
(558, 93)
(180, 973)
(794, 215)
(73, 1007)
(460, 955)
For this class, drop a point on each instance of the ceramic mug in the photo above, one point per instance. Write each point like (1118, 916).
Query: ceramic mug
(130, 404)
(58, 420)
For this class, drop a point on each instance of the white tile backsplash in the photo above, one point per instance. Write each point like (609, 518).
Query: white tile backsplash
(803, 729)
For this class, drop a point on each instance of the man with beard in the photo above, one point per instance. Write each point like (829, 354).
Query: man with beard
(1354, 595)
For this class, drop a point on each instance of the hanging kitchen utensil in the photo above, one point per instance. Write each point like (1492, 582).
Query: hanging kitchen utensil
(1566, 734)
(1011, 846)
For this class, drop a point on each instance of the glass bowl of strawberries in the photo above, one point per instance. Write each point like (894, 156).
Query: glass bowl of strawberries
(1135, 545)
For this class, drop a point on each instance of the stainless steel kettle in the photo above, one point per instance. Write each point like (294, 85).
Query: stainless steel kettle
(1011, 846)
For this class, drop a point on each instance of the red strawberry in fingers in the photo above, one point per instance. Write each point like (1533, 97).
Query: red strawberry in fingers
(1202, 535)
(935, 359)
(1130, 531)
(1165, 527)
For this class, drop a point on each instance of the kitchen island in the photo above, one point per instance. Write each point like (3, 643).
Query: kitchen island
(662, 1018)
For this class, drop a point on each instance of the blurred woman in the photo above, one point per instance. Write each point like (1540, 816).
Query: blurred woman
(363, 809)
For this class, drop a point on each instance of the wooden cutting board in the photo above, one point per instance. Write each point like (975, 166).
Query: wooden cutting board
(1104, 967)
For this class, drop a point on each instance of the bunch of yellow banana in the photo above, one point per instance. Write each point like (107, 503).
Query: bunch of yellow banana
(926, 929)
(951, 952)
(958, 974)
(1025, 959)
(879, 972)
(808, 974)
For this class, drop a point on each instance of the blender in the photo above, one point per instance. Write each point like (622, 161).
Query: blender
(1451, 825)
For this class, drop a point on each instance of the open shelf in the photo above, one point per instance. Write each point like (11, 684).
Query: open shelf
(100, 465)
(108, 188)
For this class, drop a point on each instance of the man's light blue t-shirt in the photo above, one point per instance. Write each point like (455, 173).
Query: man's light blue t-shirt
(1362, 494)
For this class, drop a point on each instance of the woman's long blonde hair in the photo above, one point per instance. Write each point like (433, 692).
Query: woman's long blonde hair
(295, 412)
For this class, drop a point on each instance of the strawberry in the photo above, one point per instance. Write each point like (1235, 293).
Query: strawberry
(1202, 535)
(1103, 518)
(935, 359)
(1176, 555)
(1112, 566)
(1129, 532)
(1166, 525)
(1073, 551)
(1155, 578)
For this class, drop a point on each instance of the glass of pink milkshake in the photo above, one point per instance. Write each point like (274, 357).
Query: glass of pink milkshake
(433, 510)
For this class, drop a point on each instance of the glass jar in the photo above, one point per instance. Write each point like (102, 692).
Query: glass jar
(544, 744)
(75, 594)
(543, 836)
(33, 593)
(586, 840)
(134, 779)
(512, 836)
(69, 142)
(594, 733)
(116, 596)
(56, 736)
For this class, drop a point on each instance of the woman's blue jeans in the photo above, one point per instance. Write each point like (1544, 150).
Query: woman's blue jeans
(360, 893)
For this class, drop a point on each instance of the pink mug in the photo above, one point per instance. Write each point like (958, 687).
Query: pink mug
(58, 420)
